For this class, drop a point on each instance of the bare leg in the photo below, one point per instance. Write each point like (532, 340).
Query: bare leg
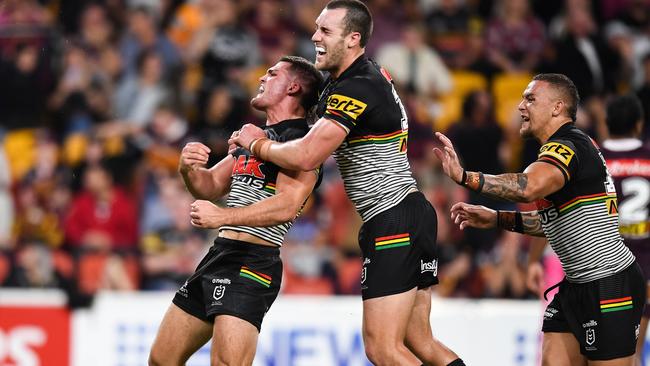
(561, 349)
(419, 338)
(641, 341)
(234, 342)
(179, 336)
(384, 329)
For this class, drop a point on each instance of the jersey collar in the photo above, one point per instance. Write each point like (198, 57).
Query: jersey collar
(624, 144)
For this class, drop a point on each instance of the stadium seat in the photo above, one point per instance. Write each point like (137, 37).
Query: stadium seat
(20, 147)
(507, 90)
(451, 103)
(74, 148)
(295, 284)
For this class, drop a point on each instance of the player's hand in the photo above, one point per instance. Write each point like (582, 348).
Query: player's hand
(206, 215)
(535, 277)
(246, 135)
(447, 155)
(231, 145)
(466, 215)
(193, 156)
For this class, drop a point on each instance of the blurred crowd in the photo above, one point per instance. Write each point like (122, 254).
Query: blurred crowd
(97, 98)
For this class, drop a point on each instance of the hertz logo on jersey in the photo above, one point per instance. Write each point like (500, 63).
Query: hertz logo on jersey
(350, 106)
(558, 151)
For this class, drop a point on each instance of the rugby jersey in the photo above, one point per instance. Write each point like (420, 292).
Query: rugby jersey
(628, 161)
(581, 219)
(372, 159)
(253, 180)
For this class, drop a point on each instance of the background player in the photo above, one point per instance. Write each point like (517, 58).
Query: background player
(628, 161)
(238, 280)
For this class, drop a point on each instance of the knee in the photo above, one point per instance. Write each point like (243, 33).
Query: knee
(154, 359)
(382, 353)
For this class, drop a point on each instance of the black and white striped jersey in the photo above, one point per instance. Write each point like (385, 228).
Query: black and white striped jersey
(254, 180)
(581, 219)
(372, 159)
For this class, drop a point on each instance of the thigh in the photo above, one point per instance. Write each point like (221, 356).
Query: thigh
(234, 341)
(377, 310)
(179, 336)
(623, 361)
(561, 349)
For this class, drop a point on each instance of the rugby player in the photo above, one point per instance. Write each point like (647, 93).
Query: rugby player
(363, 122)
(628, 161)
(594, 318)
(238, 280)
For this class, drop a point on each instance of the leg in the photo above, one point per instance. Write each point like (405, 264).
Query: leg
(419, 338)
(383, 339)
(561, 349)
(234, 342)
(179, 336)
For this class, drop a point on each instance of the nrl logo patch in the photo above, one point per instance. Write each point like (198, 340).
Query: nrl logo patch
(590, 337)
(363, 274)
(219, 290)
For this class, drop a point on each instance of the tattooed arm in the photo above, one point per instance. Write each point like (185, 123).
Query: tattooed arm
(481, 217)
(539, 180)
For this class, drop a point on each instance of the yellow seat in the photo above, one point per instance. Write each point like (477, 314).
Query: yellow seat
(20, 147)
(507, 90)
(464, 82)
(74, 148)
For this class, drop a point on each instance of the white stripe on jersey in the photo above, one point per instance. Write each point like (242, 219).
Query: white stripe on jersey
(241, 194)
(587, 241)
(376, 175)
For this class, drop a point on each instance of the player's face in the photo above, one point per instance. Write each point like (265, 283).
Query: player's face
(274, 86)
(535, 108)
(329, 39)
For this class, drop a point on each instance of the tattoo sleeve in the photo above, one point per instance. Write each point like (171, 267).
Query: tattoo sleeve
(510, 186)
(532, 223)
(520, 222)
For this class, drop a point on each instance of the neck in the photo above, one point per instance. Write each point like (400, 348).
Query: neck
(282, 112)
(553, 126)
(347, 61)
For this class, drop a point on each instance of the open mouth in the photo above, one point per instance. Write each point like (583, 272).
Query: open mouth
(525, 118)
(320, 51)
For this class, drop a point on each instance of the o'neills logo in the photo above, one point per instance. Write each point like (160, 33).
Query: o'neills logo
(225, 281)
(591, 323)
(429, 266)
(628, 167)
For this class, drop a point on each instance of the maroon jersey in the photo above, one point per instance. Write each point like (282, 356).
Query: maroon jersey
(628, 161)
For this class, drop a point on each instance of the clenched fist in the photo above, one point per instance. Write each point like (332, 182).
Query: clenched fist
(193, 156)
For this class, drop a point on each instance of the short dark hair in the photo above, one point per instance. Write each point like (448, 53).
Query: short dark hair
(567, 88)
(309, 77)
(623, 113)
(357, 18)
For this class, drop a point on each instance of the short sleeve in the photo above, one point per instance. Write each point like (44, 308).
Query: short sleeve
(561, 154)
(349, 103)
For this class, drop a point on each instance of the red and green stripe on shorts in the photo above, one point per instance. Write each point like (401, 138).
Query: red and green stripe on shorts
(392, 241)
(261, 278)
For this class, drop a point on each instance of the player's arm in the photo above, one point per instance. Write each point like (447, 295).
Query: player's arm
(203, 183)
(305, 154)
(292, 190)
(481, 217)
(540, 179)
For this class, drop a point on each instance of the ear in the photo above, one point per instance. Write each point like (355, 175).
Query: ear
(558, 108)
(638, 128)
(293, 88)
(354, 39)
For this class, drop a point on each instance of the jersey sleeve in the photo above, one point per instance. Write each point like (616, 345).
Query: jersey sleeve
(561, 154)
(349, 103)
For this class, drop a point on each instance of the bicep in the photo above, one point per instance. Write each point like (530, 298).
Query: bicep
(544, 178)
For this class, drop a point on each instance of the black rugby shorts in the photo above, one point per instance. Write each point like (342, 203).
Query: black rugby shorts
(604, 315)
(235, 278)
(399, 248)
